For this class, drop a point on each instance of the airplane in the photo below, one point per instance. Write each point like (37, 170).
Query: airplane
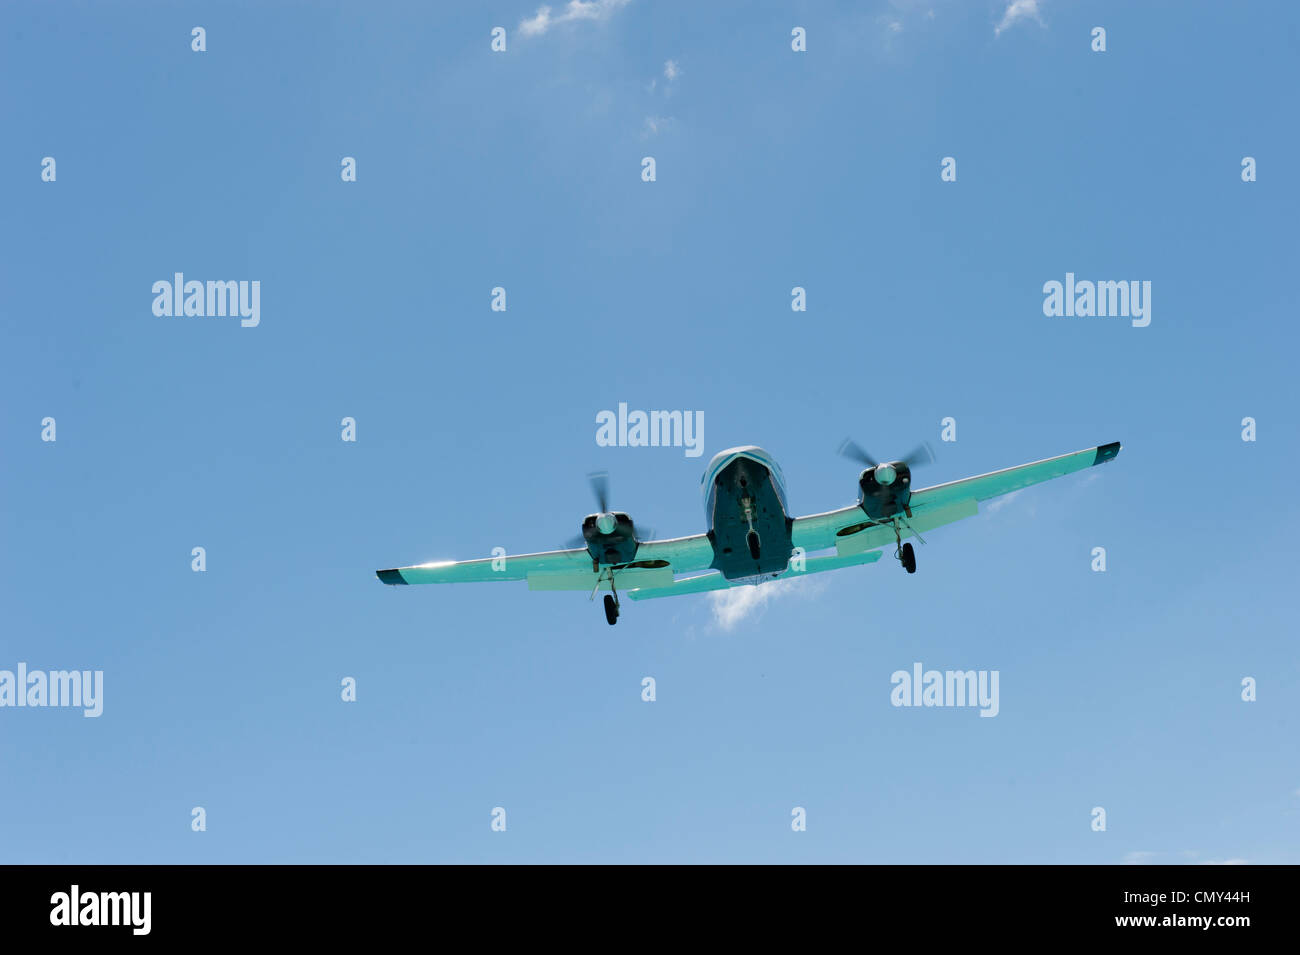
(751, 537)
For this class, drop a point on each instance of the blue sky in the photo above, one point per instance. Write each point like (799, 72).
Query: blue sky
(475, 428)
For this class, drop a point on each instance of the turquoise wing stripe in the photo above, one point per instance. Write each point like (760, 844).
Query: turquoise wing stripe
(682, 553)
(943, 503)
(997, 483)
(509, 567)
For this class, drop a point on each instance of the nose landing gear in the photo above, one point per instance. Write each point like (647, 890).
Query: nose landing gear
(747, 512)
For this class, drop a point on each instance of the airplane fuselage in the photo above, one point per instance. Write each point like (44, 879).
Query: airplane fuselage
(745, 504)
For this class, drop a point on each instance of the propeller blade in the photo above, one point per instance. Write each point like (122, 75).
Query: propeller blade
(644, 534)
(574, 542)
(921, 455)
(851, 449)
(600, 487)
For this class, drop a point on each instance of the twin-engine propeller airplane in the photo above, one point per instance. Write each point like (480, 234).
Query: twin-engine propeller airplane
(751, 537)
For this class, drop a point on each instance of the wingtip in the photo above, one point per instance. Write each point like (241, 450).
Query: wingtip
(1106, 452)
(393, 576)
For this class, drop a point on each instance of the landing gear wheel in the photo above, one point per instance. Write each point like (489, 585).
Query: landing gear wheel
(611, 610)
(908, 557)
(754, 545)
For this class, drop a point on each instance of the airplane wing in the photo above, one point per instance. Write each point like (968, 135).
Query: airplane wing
(658, 566)
(654, 566)
(850, 531)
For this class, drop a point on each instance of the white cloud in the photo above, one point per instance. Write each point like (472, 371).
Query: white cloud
(654, 125)
(1138, 858)
(671, 71)
(902, 16)
(1226, 862)
(574, 10)
(731, 607)
(995, 505)
(1016, 11)
(538, 24)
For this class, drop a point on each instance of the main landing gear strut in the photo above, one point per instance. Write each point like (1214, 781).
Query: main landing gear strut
(611, 598)
(904, 552)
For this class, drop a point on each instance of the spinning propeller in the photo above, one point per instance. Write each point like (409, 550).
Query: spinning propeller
(886, 473)
(599, 481)
(607, 522)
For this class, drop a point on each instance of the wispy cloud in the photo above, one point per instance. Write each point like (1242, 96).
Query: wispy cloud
(542, 21)
(998, 503)
(1016, 11)
(672, 70)
(734, 606)
(654, 125)
(902, 15)
(1143, 857)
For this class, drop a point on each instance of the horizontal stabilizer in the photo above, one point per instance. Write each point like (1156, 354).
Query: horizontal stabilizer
(702, 583)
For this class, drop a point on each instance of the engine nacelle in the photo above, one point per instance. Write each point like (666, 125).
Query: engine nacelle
(885, 490)
(610, 537)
